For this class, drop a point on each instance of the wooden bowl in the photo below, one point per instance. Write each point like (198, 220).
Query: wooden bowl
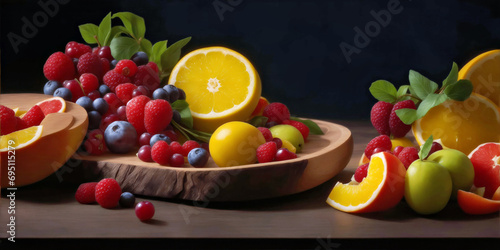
(61, 136)
(322, 158)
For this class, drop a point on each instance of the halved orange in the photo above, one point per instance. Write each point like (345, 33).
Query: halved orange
(381, 189)
(20, 139)
(484, 73)
(52, 105)
(221, 85)
(460, 125)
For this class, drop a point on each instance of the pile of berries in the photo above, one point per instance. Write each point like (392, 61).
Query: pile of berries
(108, 194)
(382, 143)
(385, 120)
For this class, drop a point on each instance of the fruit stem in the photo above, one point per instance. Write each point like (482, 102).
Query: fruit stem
(201, 136)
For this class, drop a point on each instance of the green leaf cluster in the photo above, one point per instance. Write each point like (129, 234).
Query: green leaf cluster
(425, 93)
(127, 39)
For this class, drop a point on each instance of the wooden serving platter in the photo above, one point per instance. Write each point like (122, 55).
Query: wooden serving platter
(322, 158)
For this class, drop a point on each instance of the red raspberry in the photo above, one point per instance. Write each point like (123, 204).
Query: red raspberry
(266, 152)
(59, 67)
(21, 124)
(144, 210)
(124, 91)
(176, 160)
(408, 155)
(107, 193)
(304, 130)
(381, 141)
(266, 133)
(154, 66)
(157, 115)
(436, 146)
(146, 76)
(135, 112)
(161, 153)
(90, 63)
(75, 50)
(95, 144)
(113, 102)
(379, 117)
(34, 116)
(113, 79)
(188, 146)
(8, 121)
(284, 154)
(398, 128)
(89, 82)
(397, 150)
(85, 194)
(176, 147)
(126, 67)
(276, 112)
(361, 172)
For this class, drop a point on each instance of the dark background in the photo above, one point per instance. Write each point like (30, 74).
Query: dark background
(295, 45)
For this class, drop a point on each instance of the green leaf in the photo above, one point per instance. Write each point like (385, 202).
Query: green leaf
(146, 46)
(104, 30)
(313, 127)
(123, 47)
(407, 116)
(172, 54)
(157, 51)
(421, 84)
(452, 76)
(403, 90)
(383, 90)
(258, 121)
(89, 32)
(459, 91)
(426, 148)
(183, 108)
(133, 23)
(430, 102)
(115, 31)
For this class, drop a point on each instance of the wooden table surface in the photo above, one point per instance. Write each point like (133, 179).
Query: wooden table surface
(49, 210)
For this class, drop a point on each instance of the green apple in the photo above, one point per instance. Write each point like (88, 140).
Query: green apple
(289, 133)
(459, 166)
(428, 186)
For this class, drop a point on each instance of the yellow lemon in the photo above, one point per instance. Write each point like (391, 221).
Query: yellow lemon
(484, 73)
(221, 85)
(460, 125)
(21, 138)
(235, 143)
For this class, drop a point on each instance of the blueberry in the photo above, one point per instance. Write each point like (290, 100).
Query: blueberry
(85, 102)
(100, 105)
(198, 157)
(176, 116)
(50, 87)
(127, 199)
(104, 89)
(159, 137)
(172, 91)
(64, 93)
(113, 63)
(120, 137)
(182, 94)
(160, 93)
(94, 119)
(140, 58)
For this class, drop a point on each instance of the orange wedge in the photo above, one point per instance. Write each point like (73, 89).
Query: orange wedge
(52, 105)
(20, 139)
(381, 189)
(221, 85)
(484, 73)
(472, 203)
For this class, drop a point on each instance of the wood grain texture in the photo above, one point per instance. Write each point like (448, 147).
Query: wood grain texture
(322, 158)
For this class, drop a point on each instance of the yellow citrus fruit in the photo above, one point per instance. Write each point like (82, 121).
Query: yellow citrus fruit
(484, 73)
(402, 141)
(460, 125)
(288, 145)
(235, 143)
(21, 138)
(221, 85)
(18, 112)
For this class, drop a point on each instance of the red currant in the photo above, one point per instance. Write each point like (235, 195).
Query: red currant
(122, 112)
(89, 82)
(144, 153)
(126, 67)
(144, 210)
(75, 89)
(144, 139)
(94, 95)
(105, 52)
(176, 160)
